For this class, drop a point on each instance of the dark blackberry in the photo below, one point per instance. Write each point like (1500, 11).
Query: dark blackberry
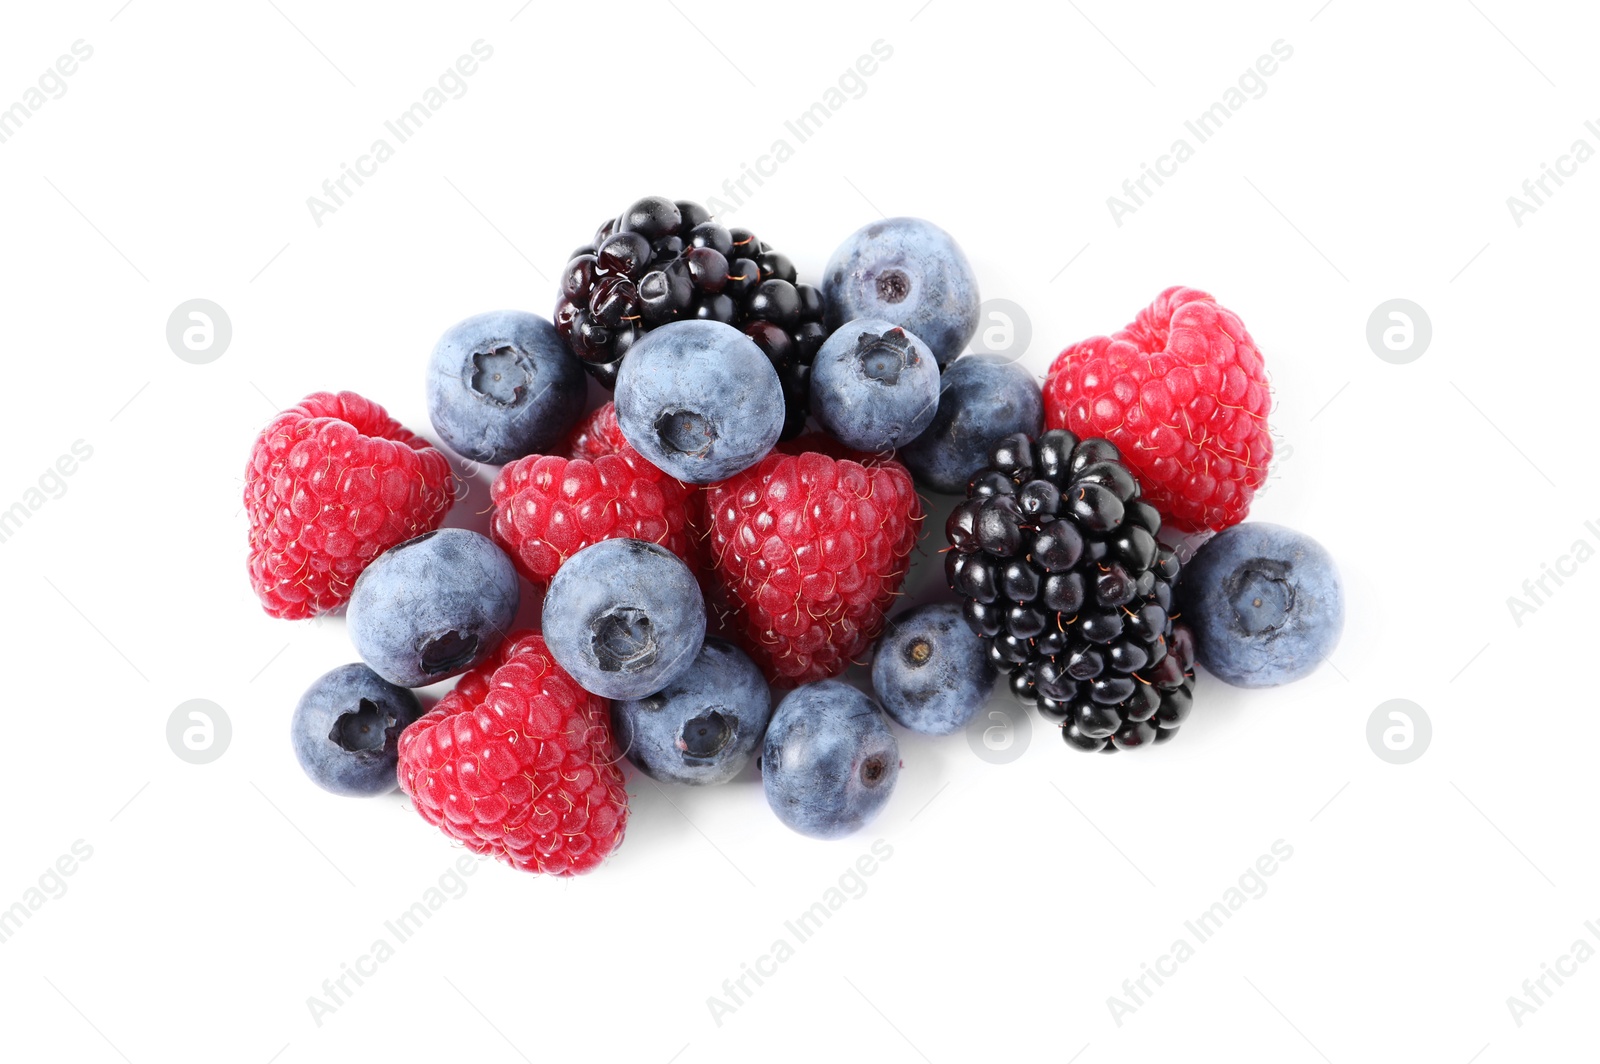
(1056, 556)
(661, 261)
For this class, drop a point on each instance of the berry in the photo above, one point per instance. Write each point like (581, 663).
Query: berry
(809, 550)
(698, 399)
(662, 262)
(503, 385)
(433, 607)
(624, 617)
(331, 484)
(1265, 603)
(1055, 553)
(346, 730)
(547, 508)
(874, 386)
(596, 435)
(1183, 392)
(829, 762)
(909, 272)
(981, 398)
(931, 673)
(703, 726)
(517, 762)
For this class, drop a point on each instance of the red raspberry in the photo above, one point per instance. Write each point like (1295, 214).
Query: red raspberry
(547, 508)
(596, 435)
(517, 762)
(332, 484)
(1182, 391)
(810, 549)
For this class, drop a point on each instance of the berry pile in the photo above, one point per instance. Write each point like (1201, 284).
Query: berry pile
(660, 262)
(697, 548)
(1056, 556)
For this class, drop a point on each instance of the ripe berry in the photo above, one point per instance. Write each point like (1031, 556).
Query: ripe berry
(1182, 391)
(809, 550)
(547, 508)
(434, 606)
(704, 726)
(874, 386)
(1065, 583)
(698, 400)
(1265, 602)
(517, 762)
(929, 671)
(662, 262)
(332, 483)
(981, 398)
(909, 272)
(346, 730)
(624, 618)
(829, 762)
(502, 385)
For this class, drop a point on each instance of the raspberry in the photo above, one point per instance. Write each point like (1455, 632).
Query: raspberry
(1182, 392)
(596, 435)
(810, 549)
(517, 762)
(547, 508)
(332, 483)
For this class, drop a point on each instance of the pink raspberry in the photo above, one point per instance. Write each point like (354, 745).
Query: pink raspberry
(331, 484)
(1183, 393)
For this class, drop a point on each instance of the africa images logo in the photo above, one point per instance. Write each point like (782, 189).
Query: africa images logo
(1252, 85)
(851, 886)
(451, 85)
(1250, 886)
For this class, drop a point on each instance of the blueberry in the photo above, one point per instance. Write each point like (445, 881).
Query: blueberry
(981, 399)
(346, 730)
(433, 606)
(703, 726)
(624, 617)
(874, 385)
(1265, 604)
(829, 761)
(699, 400)
(930, 671)
(910, 272)
(503, 385)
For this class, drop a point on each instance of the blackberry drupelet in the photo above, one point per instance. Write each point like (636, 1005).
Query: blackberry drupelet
(1055, 555)
(661, 261)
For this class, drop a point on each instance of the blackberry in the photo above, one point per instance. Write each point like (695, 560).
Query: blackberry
(1055, 555)
(661, 261)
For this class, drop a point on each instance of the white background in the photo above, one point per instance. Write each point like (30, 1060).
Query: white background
(1019, 896)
